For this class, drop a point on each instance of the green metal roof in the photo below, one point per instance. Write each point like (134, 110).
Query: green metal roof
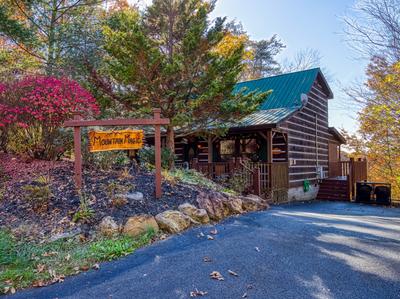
(285, 98)
(262, 117)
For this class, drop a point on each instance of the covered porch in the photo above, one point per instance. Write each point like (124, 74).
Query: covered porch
(259, 156)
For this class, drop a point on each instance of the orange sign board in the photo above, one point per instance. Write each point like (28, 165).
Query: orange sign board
(100, 141)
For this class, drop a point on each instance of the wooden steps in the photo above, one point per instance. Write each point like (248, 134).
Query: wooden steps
(331, 189)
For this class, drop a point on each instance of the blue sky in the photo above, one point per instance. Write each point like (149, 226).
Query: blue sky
(301, 24)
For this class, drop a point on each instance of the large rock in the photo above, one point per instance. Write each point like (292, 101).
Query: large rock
(173, 221)
(199, 215)
(218, 205)
(213, 204)
(138, 225)
(234, 204)
(108, 227)
(253, 203)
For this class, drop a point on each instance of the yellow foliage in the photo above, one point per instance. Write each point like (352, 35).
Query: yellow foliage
(380, 123)
(231, 43)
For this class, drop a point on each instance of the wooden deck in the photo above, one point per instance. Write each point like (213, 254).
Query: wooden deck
(343, 176)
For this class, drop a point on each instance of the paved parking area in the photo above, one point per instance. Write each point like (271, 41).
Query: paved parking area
(313, 250)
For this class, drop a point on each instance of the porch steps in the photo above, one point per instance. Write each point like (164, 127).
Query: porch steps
(333, 189)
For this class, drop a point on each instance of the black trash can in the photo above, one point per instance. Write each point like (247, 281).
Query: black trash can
(383, 195)
(363, 192)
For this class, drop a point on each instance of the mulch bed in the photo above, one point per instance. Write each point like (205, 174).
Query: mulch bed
(17, 213)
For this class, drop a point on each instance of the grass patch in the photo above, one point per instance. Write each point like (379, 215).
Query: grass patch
(193, 177)
(24, 264)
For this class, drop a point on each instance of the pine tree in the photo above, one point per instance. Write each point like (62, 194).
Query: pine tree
(169, 58)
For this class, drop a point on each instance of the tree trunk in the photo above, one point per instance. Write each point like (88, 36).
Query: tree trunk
(51, 40)
(171, 145)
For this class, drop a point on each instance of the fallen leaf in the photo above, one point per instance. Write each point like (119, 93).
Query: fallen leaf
(200, 235)
(214, 231)
(38, 284)
(58, 278)
(207, 259)
(84, 268)
(12, 290)
(96, 267)
(51, 253)
(257, 249)
(244, 295)
(232, 273)
(249, 286)
(216, 275)
(40, 268)
(210, 237)
(68, 257)
(197, 293)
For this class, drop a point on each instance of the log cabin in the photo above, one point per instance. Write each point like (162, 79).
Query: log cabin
(284, 150)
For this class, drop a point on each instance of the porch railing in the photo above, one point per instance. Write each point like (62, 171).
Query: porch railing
(353, 170)
(259, 177)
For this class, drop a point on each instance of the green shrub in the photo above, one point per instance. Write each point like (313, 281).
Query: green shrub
(108, 160)
(194, 177)
(114, 188)
(147, 157)
(39, 193)
(236, 182)
(34, 143)
(84, 214)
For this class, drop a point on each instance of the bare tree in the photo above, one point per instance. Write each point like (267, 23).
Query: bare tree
(374, 29)
(304, 59)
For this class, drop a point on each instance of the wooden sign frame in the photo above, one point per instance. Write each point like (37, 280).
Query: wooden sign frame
(156, 121)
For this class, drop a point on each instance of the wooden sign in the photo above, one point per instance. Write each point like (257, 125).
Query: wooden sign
(100, 141)
(156, 121)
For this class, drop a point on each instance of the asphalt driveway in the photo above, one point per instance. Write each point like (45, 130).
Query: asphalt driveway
(318, 250)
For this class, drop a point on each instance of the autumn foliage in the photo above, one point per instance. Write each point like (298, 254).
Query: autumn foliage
(37, 106)
(46, 100)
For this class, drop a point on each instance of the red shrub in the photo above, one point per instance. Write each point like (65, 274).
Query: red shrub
(45, 100)
(42, 104)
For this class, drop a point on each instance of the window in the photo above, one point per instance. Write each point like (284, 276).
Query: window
(227, 147)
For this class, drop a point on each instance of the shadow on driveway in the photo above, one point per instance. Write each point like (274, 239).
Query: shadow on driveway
(314, 250)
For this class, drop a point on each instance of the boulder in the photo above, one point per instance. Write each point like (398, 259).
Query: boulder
(173, 221)
(234, 204)
(108, 227)
(213, 204)
(199, 215)
(253, 203)
(138, 225)
(135, 196)
(218, 205)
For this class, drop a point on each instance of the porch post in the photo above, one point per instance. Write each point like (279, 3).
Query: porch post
(269, 158)
(78, 154)
(269, 146)
(210, 149)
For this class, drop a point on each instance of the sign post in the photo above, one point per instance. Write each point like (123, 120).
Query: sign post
(156, 121)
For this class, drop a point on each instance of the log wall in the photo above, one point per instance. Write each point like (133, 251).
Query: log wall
(308, 138)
